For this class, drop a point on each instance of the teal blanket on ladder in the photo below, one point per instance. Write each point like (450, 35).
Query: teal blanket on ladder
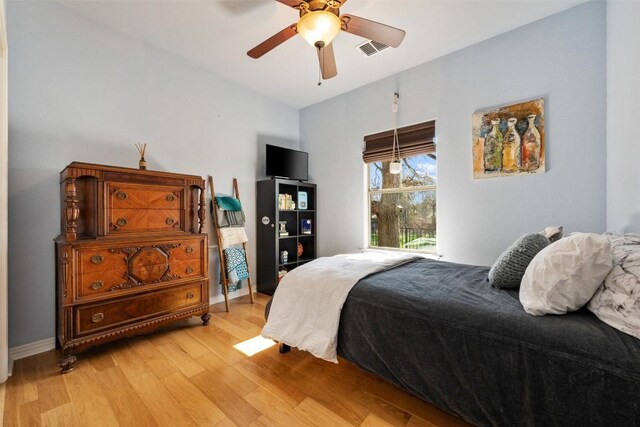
(230, 212)
(235, 266)
(228, 203)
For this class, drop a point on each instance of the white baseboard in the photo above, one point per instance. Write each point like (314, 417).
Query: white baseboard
(31, 349)
(220, 297)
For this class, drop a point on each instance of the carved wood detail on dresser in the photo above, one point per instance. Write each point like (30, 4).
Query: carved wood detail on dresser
(131, 257)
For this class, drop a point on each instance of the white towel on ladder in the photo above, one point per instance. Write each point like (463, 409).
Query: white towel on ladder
(230, 236)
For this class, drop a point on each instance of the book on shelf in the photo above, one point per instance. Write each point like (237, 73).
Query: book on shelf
(286, 203)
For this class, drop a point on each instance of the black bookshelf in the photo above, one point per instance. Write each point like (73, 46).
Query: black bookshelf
(270, 242)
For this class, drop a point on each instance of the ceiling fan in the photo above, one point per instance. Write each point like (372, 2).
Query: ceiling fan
(320, 22)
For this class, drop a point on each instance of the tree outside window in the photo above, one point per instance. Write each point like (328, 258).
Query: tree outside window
(403, 207)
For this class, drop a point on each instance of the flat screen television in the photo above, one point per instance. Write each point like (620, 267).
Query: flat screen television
(287, 163)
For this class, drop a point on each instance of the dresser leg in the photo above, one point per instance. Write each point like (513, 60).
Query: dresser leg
(66, 363)
(205, 319)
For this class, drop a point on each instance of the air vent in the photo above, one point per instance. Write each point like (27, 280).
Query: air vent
(371, 48)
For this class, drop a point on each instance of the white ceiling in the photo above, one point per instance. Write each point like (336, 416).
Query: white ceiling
(217, 34)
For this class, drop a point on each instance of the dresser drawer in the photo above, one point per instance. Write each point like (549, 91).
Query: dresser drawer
(189, 249)
(136, 196)
(138, 268)
(92, 318)
(127, 220)
(137, 220)
(187, 268)
(91, 284)
(99, 260)
(165, 198)
(139, 278)
(164, 219)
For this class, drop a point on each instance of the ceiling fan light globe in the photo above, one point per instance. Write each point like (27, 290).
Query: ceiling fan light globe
(319, 28)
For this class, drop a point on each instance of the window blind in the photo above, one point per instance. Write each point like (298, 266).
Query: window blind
(413, 140)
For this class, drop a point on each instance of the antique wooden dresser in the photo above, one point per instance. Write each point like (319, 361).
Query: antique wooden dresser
(131, 257)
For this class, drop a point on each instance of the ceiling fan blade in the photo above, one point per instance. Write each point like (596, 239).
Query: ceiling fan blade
(327, 62)
(291, 3)
(372, 30)
(273, 41)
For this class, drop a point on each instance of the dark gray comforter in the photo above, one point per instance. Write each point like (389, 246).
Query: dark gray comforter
(440, 331)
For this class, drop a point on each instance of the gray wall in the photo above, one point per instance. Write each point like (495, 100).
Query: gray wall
(560, 58)
(623, 95)
(82, 91)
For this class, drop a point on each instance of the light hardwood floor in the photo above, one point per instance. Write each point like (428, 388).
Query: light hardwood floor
(191, 375)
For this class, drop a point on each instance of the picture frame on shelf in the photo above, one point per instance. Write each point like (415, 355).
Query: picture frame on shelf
(302, 200)
(305, 226)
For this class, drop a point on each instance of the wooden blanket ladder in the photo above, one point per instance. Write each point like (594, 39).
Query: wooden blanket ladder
(223, 270)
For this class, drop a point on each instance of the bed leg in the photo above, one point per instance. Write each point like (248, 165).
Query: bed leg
(284, 349)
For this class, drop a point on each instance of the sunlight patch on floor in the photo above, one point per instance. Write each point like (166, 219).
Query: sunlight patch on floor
(254, 345)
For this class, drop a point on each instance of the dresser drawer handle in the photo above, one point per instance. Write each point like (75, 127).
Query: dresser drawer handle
(97, 318)
(122, 222)
(189, 249)
(189, 295)
(97, 259)
(121, 195)
(189, 270)
(170, 221)
(170, 197)
(98, 284)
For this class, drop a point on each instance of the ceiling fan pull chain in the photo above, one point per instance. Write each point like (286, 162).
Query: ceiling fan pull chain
(320, 67)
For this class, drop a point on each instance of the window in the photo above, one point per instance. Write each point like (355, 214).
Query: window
(402, 208)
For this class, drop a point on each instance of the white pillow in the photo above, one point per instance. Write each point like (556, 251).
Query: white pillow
(617, 301)
(564, 276)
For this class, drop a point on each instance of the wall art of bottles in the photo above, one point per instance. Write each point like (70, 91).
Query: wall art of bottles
(509, 140)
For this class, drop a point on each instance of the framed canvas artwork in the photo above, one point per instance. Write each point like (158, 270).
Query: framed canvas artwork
(509, 140)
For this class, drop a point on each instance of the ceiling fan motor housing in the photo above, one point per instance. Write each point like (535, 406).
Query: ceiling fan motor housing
(331, 6)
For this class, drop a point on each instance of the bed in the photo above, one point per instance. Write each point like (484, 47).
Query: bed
(470, 349)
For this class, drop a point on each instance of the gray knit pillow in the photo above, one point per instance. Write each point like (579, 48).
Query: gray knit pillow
(508, 270)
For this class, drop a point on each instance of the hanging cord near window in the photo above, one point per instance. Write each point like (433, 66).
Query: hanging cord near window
(395, 166)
